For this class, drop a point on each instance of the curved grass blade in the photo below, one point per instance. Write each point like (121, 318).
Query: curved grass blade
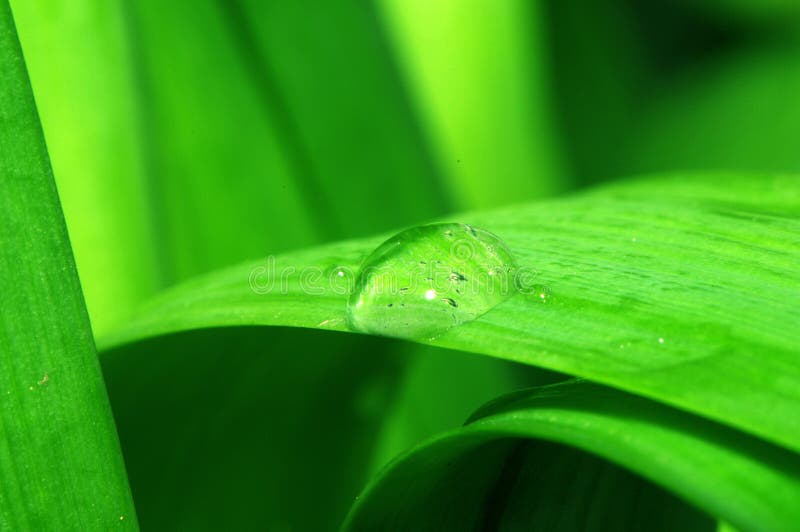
(60, 462)
(750, 484)
(679, 289)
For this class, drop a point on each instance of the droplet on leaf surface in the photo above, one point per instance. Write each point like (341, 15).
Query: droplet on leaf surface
(428, 279)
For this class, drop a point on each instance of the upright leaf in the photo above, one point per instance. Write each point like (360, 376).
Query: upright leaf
(331, 86)
(60, 462)
(477, 71)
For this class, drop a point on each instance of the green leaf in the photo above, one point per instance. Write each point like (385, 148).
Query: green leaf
(482, 470)
(478, 74)
(76, 52)
(681, 289)
(339, 102)
(424, 407)
(221, 421)
(270, 153)
(706, 119)
(222, 429)
(219, 180)
(60, 461)
(594, 109)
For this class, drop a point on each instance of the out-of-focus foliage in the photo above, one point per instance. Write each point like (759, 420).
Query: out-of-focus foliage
(188, 136)
(729, 115)
(478, 73)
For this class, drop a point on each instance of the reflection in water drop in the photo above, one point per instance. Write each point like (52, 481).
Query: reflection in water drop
(428, 279)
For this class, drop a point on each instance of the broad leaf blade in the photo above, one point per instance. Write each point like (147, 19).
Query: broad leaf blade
(751, 484)
(682, 289)
(60, 462)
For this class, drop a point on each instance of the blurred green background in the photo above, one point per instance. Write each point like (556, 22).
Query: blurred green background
(187, 136)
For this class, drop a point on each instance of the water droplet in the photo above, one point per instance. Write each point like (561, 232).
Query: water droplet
(428, 279)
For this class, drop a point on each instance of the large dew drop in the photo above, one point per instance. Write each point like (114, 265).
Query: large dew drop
(428, 279)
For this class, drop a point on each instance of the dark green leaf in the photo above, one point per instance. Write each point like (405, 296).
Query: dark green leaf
(481, 475)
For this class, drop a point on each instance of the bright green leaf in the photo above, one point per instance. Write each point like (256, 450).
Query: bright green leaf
(682, 289)
(478, 74)
(60, 463)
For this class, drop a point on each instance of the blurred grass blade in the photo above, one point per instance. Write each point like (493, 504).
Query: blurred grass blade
(254, 150)
(60, 462)
(680, 289)
(750, 484)
(478, 74)
(331, 87)
(706, 119)
(595, 110)
(220, 181)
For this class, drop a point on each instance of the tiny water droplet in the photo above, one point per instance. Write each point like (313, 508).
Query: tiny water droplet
(542, 292)
(468, 272)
